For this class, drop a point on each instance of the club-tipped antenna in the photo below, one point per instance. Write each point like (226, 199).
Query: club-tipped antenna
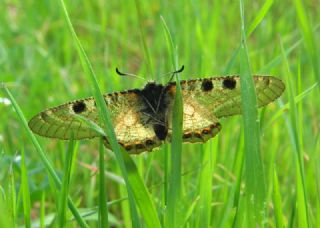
(175, 72)
(130, 75)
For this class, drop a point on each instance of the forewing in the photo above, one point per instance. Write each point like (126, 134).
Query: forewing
(60, 122)
(208, 99)
(222, 96)
(130, 124)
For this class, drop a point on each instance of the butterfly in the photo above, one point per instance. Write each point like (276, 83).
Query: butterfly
(142, 118)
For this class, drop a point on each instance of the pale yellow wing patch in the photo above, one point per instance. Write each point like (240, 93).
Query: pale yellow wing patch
(129, 122)
(208, 99)
(199, 124)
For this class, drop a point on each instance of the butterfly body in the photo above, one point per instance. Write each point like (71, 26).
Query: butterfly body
(142, 117)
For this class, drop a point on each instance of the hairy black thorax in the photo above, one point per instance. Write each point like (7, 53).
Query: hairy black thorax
(155, 102)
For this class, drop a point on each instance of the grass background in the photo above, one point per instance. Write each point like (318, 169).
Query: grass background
(40, 66)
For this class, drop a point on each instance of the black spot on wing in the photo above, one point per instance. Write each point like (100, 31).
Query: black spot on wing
(79, 107)
(206, 85)
(229, 83)
(160, 131)
(150, 142)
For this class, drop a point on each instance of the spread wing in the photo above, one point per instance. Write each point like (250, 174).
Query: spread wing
(130, 124)
(208, 99)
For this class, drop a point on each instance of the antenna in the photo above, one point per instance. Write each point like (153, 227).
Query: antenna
(174, 72)
(130, 75)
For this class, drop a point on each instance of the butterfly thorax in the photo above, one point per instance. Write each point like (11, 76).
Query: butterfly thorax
(155, 106)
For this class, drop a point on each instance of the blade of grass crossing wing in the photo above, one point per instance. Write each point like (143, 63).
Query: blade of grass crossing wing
(25, 191)
(52, 175)
(63, 194)
(255, 186)
(103, 210)
(135, 192)
(172, 218)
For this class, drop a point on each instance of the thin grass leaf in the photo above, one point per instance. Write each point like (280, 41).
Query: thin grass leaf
(103, 210)
(292, 124)
(143, 39)
(205, 184)
(43, 210)
(297, 99)
(63, 194)
(308, 37)
(92, 125)
(43, 157)
(12, 197)
(190, 211)
(235, 190)
(172, 217)
(255, 185)
(137, 191)
(277, 202)
(25, 191)
(260, 15)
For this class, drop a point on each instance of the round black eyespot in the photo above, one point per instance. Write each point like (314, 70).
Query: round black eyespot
(206, 85)
(79, 107)
(229, 83)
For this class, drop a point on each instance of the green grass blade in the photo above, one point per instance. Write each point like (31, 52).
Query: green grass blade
(143, 39)
(103, 210)
(254, 175)
(12, 198)
(205, 184)
(308, 37)
(137, 191)
(43, 157)
(277, 202)
(25, 191)
(293, 131)
(63, 194)
(43, 210)
(174, 191)
(260, 15)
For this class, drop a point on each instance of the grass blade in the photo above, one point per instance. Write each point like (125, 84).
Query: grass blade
(137, 191)
(292, 124)
(25, 191)
(63, 194)
(277, 202)
(103, 210)
(205, 184)
(260, 15)
(308, 37)
(43, 157)
(43, 210)
(254, 174)
(174, 189)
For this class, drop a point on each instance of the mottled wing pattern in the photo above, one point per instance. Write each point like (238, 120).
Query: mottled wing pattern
(208, 99)
(129, 123)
